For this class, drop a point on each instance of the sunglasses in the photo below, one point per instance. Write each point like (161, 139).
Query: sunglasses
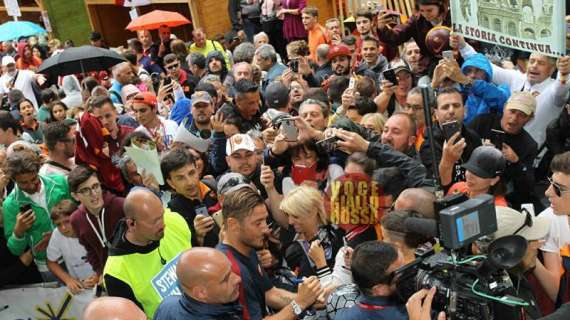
(558, 189)
(527, 221)
(172, 66)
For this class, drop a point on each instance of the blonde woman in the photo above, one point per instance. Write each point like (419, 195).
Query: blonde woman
(316, 242)
(374, 122)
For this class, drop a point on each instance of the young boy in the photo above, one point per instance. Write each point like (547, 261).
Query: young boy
(65, 246)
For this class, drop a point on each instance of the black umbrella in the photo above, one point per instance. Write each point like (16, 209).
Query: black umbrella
(80, 60)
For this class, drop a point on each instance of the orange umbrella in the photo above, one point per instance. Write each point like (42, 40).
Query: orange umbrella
(157, 18)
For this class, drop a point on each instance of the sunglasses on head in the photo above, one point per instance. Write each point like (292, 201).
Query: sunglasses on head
(558, 189)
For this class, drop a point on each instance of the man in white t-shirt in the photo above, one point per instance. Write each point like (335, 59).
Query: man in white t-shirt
(161, 131)
(548, 273)
(19, 79)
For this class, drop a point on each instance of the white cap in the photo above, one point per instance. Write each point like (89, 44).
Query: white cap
(6, 60)
(510, 220)
(239, 141)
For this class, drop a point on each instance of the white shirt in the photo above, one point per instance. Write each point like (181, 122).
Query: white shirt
(39, 197)
(552, 95)
(73, 253)
(23, 82)
(167, 130)
(559, 235)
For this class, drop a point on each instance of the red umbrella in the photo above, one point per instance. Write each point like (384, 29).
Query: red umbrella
(157, 18)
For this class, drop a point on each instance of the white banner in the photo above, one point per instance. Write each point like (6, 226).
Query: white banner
(531, 25)
(43, 303)
(12, 8)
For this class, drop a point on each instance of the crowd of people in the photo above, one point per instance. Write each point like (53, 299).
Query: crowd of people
(292, 155)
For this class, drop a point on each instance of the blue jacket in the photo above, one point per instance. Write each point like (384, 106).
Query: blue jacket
(184, 307)
(181, 110)
(483, 96)
(373, 308)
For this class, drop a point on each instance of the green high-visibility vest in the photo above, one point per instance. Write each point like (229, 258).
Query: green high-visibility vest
(150, 279)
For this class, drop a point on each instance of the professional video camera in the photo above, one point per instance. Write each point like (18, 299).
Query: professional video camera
(468, 287)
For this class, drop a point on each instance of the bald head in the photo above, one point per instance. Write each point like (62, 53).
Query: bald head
(112, 308)
(205, 274)
(418, 200)
(139, 201)
(123, 73)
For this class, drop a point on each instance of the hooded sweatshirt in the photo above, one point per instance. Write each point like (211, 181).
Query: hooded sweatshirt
(72, 90)
(220, 56)
(483, 96)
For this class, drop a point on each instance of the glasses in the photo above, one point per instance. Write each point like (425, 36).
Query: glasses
(172, 66)
(527, 221)
(90, 190)
(558, 189)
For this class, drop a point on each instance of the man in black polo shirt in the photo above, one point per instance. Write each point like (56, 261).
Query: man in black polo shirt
(192, 198)
(518, 147)
(246, 106)
(245, 230)
(449, 154)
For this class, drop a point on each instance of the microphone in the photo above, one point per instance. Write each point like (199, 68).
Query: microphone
(423, 226)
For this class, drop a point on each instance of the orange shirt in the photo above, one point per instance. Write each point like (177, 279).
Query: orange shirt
(461, 187)
(317, 36)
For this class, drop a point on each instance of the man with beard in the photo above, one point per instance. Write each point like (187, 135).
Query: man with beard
(26, 210)
(192, 199)
(245, 226)
(201, 111)
(210, 288)
(339, 56)
(144, 251)
(59, 138)
(97, 216)
(266, 59)
(123, 74)
(400, 133)
(217, 65)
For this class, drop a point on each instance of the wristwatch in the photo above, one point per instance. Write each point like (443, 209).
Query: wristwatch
(296, 308)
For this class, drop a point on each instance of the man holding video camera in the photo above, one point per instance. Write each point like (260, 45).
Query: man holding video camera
(373, 265)
(507, 134)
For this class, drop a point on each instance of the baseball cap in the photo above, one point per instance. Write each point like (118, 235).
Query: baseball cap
(399, 66)
(201, 97)
(94, 36)
(339, 50)
(239, 141)
(127, 91)
(276, 95)
(510, 220)
(486, 162)
(147, 98)
(522, 101)
(6, 60)
(232, 181)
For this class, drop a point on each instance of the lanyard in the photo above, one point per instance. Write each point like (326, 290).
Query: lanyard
(366, 306)
(101, 223)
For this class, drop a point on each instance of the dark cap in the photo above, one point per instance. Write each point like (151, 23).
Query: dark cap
(486, 162)
(95, 36)
(276, 95)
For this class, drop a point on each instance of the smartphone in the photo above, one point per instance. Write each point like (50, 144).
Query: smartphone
(294, 65)
(289, 129)
(25, 207)
(351, 83)
(449, 129)
(167, 81)
(497, 138)
(329, 144)
(201, 211)
(448, 54)
(395, 17)
(390, 75)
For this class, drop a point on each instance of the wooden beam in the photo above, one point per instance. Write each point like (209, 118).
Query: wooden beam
(24, 9)
(194, 14)
(88, 2)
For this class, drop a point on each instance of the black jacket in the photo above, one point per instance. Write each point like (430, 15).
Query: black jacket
(471, 138)
(558, 133)
(520, 174)
(184, 307)
(187, 209)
